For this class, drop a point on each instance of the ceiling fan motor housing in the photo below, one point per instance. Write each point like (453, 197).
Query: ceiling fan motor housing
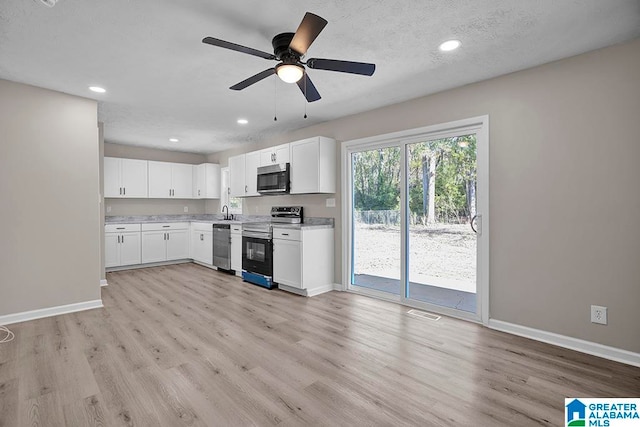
(281, 49)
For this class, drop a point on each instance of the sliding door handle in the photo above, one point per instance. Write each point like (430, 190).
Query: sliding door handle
(471, 224)
(477, 219)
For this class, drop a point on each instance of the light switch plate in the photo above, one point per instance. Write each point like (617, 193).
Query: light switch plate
(186, 208)
(331, 202)
(108, 209)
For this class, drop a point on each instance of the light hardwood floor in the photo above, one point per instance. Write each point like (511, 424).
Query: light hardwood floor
(185, 345)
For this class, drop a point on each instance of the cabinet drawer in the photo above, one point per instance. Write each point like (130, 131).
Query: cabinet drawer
(121, 228)
(202, 226)
(286, 234)
(159, 226)
(235, 229)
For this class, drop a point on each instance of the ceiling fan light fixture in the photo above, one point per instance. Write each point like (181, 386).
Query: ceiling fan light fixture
(289, 73)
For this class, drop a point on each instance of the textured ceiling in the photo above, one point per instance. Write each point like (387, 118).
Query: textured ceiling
(163, 82)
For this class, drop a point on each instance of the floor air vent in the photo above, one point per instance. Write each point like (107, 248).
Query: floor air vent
(424, 315)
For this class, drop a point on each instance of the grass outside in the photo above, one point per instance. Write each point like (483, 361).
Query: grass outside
(442, 255)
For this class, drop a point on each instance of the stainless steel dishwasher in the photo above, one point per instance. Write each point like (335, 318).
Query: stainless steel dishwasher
(222, 246)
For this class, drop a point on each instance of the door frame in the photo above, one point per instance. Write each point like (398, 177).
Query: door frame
(478, 125)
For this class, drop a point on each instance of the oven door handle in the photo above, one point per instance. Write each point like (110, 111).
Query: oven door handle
(255, 235)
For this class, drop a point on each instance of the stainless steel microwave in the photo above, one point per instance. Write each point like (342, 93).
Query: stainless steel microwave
(273, 179)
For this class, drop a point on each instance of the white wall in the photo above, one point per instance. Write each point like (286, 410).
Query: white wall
(49, 192)
(564, 196)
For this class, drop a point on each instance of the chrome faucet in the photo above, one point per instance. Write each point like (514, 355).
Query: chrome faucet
(226, 215)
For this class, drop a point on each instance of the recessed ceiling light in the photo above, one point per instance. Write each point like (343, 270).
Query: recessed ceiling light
(174, 140)
(243, 121)
(450, 45)
(97, 89)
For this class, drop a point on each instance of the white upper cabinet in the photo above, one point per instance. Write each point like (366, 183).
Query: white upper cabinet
(251, 163)
(182, 180)
(206, 181)
(170, 180)
(236, 176)
(274, 155)
(313, 166)
(125, 178)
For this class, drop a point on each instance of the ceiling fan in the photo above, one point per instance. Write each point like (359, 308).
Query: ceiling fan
(289, 49)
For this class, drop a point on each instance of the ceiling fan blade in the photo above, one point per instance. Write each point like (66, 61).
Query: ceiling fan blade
(307, 32)
(361, 68)
(308, 89)
(237, 47)
(253, 79)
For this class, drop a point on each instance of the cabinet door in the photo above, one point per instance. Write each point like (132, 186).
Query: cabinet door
(206, 247)
(199, 182)
(304, 167)
(182, 180)
(130, 252)
(194, 244)
(267, 157)
(134, 178)
(177, 244)
(281, 153)
(111, 250)
(211, 181)
(236, 252)
(154, 246)
(112, 187)
(202, 246)
(251, 163)
(287, 262)
(236, 176)
(274, 155)
(159, 180)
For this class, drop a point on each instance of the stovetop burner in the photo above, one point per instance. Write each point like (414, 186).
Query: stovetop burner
(279, 215)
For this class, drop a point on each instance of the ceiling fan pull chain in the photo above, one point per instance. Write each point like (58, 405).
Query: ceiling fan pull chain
(305, 93)
(275, 93)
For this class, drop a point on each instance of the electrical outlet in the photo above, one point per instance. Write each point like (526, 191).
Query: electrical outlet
(331, 202)
(108, 209)
(599, 314)
(186, 208)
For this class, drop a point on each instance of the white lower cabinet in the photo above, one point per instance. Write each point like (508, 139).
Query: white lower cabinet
(236, 248)
(165, 242)
(287, 264)
(122, 245)
(303, 259)
(202, 243)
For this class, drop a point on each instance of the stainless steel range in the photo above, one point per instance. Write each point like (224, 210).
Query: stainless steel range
(257, 245)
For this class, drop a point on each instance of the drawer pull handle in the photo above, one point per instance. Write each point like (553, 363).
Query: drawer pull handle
(285, 234)
(119, 228)
(166, 226)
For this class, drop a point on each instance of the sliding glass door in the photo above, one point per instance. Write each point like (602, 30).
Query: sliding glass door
(414, 209)
(376, 220)
(442, 247)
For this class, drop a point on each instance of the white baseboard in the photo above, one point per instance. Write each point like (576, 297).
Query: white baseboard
(48, 312)
(588, 347)
(151, 264)
(338, 287)
(319, 290)
(103, 282)
(306, 292)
